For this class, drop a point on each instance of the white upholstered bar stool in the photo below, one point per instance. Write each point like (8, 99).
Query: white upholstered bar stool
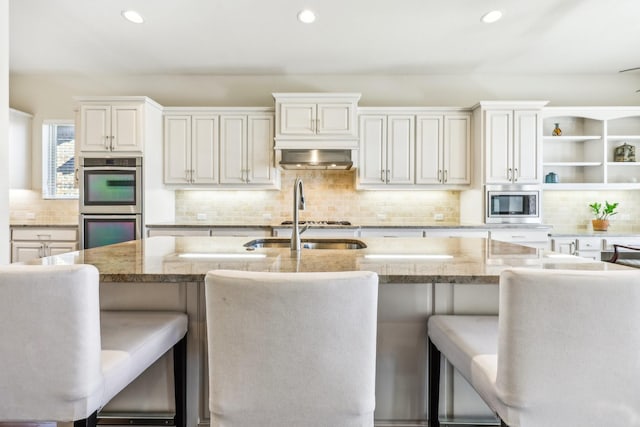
(564, 350)
(63, 359)
(291, 349)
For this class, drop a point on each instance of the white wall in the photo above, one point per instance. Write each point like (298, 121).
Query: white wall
(50, 96)
(4, 132)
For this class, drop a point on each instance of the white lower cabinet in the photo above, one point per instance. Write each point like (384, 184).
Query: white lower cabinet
(178, 231)
(207, 231)
(30, 243)
(608, 242)
(538, 239)
(582, 246)
(455, 232)
(327, 232)
(391, 232)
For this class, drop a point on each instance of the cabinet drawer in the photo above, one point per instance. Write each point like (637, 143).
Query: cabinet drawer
(607, 243)
(519, 235)
(589, 244)
(179, 232)
(62, 234)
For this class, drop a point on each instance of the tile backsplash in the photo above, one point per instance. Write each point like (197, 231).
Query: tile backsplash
(569, 210)
(329, 195)
(27, 207)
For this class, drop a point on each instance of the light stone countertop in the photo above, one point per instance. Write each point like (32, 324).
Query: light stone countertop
(398, 260)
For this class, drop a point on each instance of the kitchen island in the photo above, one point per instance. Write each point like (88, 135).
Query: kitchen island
(417, 278)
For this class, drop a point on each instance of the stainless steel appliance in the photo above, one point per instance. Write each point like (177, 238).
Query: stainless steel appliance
(111, 185)
(110, 200)
(101, 230)
(512, 204)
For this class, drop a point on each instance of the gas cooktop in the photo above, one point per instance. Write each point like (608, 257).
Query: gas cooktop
(335, 223)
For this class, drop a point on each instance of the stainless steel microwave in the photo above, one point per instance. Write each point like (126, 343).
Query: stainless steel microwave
(513, 204)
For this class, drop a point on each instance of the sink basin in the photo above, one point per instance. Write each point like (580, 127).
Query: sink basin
(306, 243)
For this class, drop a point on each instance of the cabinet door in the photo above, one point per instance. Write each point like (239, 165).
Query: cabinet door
(373, 138)
(400, 150)
(260, 169)
(95, 125)
(456, 150)
(126, 128)
(57, 248)
(204, 149)
(526, 151)
(177, 149)
(564, 245)
(429, 146)
(26, 251)
(499, 143)
(335, 119)
(233, 145)
(298, 119)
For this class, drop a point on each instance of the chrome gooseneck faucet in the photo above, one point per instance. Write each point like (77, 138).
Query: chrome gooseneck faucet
(298, 204)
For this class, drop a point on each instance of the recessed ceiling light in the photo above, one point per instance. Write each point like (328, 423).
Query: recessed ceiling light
(491, 17)
(306, 16)
(132, 16)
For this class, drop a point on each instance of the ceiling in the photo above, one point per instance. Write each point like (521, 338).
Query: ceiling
(348, 37)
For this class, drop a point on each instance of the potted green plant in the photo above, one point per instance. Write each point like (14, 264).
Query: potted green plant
(602, 214)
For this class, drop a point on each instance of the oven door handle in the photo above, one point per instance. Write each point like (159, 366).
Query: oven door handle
(109, 169)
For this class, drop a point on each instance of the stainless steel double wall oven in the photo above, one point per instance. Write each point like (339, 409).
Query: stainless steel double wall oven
(110, 200)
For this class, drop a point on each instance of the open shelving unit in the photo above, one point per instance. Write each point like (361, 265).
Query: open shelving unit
(583, 157)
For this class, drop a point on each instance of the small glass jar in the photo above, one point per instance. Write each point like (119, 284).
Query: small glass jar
(556, 130)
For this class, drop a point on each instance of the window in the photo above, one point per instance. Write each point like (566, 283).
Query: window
(58, 145)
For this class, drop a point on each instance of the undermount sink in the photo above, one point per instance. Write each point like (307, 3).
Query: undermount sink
(306, 243)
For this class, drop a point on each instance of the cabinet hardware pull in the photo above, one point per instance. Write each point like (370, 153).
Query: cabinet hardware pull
(439, 175)
(445, 176)
(509, 175)
(387, 175)
(112, 138)
(107, 144)
(572, 248)
(516, 175)
(382, 175)
(193, 180)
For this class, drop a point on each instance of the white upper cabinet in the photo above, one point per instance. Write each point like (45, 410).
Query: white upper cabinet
(113, 125)
(246, 150)
(107, 128)
(589, 151)
(316, 120)
(191, 149)
(418, 148)
(511, 139)
(220, 148)
(387, 150)
(443, 148)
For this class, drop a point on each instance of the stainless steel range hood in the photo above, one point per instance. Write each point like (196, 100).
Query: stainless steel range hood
(316, 159)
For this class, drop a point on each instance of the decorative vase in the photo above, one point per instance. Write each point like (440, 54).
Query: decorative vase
(556, 130)
(600, 224)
